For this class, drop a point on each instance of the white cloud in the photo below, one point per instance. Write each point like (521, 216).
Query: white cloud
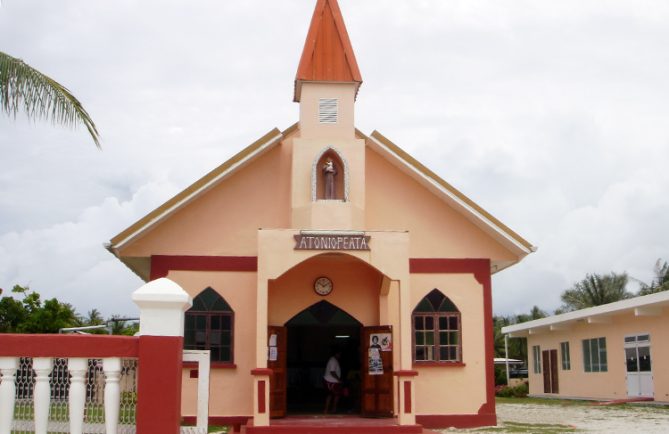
(551, 115)
(68, 261)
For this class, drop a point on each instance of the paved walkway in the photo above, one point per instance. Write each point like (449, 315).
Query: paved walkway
(630, 419)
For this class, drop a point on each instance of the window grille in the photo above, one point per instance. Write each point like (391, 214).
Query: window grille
(209, 325)
(536, 359)
(565, 356)
(437, 330)
(594, 355)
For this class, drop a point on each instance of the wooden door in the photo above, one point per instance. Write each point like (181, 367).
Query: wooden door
(377, 372)
(546, 366)
(276, 361)
(549, 360)
(554, 372)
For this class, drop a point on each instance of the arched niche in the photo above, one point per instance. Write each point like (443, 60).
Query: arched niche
(341, 179)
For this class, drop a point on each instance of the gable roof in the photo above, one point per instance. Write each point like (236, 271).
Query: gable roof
(450, 194)
(644, 305)
(327, 55)
(200, 186)
(376, 141)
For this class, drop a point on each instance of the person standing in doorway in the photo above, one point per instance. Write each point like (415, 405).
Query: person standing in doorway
(332, 378)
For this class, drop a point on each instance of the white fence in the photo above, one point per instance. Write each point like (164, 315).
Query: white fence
(89, 384)
(76, 395)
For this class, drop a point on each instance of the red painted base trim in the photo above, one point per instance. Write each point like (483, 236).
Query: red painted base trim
(236, 422)
(407, 396)
(162, 264)
(438, 365)
(213, 365)
(262, 408)
(448, 265)
(345, 429)
(18, 345)
(405, 373)
(261, 371)
(457, 420)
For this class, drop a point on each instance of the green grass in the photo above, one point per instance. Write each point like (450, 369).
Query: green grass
(218, 429)
(59, 412)
(543, 401)
(579, 402)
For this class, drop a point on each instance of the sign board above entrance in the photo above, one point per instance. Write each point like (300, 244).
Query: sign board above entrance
(331, 241)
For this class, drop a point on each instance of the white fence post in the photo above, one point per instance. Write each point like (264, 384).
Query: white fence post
(77, 368)
(8, 368)
(42, 393)
(203, 359)
(112, 369)
(162, 304)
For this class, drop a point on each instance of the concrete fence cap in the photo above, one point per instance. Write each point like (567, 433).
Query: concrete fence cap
(162, 290)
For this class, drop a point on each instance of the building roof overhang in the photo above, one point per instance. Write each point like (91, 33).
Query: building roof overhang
(646, 305)
(210, 180)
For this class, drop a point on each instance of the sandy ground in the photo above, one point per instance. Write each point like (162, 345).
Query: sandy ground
(635, 419)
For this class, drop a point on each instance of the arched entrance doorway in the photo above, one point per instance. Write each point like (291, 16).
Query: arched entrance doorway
(305, 322)
(313, 336)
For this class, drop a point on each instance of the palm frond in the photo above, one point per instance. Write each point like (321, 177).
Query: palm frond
(23, 88)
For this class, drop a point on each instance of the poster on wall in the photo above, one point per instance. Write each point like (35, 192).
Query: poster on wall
(375, 362)
(273, 353)
(381, 341)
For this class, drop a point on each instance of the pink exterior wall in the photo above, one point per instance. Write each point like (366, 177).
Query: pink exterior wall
(356, 289)
(405, 220)
(310, 127)
(461, 389)
(611, 384)
(437, 230)
(237, 289)
(224, 221)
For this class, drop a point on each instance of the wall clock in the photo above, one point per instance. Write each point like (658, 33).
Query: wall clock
(323, 286)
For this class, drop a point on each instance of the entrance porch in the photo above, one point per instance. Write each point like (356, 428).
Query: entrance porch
(300, 322)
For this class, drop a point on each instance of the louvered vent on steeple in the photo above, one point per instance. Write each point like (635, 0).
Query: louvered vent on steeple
(327, 110)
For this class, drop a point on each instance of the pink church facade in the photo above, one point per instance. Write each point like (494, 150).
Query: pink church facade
(318, 237)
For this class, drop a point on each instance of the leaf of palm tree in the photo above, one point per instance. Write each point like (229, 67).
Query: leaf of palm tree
(40, 97)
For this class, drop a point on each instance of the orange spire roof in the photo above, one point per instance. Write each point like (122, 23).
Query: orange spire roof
(327, 54)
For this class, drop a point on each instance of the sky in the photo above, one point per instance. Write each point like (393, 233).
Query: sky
(553, 116)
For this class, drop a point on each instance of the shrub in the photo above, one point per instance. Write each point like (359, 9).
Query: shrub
(519, 391)
(500, 375)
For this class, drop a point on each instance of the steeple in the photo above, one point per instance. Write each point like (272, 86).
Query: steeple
(327, 55)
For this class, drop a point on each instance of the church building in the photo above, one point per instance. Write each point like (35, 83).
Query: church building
(321, 239)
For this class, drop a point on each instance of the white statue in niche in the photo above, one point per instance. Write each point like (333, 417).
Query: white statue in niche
(329, 173)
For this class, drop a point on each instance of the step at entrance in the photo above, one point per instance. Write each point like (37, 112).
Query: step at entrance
(333, 425)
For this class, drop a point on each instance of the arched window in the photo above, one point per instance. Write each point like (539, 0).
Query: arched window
(437, 330)
(209, 325)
